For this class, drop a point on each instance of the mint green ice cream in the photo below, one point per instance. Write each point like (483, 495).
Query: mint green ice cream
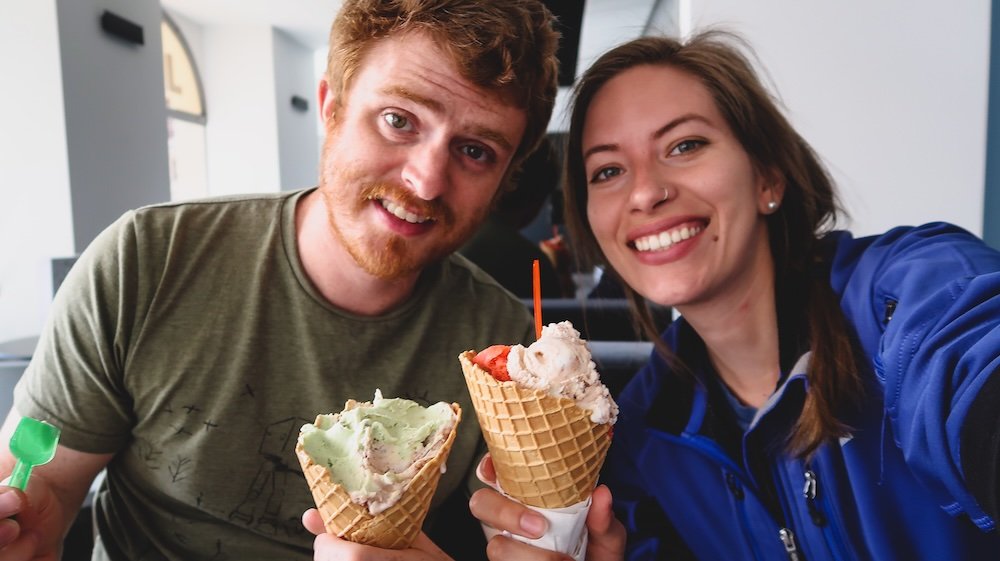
(374, 449)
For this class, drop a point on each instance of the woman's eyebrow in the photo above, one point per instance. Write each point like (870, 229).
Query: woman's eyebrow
(658, 133)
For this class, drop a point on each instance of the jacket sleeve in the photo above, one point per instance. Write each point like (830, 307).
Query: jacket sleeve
(926, 305)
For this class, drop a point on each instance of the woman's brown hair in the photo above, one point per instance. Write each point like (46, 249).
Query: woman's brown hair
(808, 209)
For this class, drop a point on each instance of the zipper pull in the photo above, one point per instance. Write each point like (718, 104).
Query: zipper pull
(788, 540)
(809, 491)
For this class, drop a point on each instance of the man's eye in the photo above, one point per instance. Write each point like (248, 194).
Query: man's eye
(396, 121)
(686, 146)
(477, 153)
(605, 174)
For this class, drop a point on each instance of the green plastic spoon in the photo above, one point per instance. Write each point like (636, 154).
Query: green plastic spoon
(33, 444)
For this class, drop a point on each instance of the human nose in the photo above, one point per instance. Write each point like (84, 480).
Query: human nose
(425, 171)
(649, 190)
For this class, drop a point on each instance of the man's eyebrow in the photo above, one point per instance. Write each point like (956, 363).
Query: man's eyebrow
(400, 91)
(438, 107)
(495, 136)
(656, 134)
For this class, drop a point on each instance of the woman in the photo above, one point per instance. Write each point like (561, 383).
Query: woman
(823, 396)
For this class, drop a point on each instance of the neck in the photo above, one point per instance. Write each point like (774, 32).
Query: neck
(332, 270)
(740, 332)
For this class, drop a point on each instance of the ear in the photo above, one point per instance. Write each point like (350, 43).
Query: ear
(770, 191)
(327, 101)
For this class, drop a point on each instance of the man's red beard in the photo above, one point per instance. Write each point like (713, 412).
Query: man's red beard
(387, 255)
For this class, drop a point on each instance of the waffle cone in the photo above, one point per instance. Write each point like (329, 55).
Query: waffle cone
(393, 528)
(546, 450)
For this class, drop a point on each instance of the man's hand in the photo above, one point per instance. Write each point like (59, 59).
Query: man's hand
(30, 523)
(606, 538)
(328, 547)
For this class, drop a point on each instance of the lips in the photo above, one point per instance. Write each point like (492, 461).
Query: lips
(399, 203)
(665, 239)
(400, 212)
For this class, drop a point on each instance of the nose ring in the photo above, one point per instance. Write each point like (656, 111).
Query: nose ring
(666, 195)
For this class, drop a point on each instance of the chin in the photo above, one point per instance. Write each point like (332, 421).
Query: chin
(396, 261)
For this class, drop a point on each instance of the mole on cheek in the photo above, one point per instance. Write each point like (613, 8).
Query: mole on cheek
(715, 238)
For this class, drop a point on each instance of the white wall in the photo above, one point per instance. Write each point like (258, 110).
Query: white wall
(892, 93)
(242, 127)
(298, 144)
(255, 140)
(84, 139)
(36, 221)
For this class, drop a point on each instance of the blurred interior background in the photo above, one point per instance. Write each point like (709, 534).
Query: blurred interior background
(108, 105)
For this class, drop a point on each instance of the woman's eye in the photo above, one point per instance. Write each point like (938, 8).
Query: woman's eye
(686, 146)
(605, 174)
(396, 121)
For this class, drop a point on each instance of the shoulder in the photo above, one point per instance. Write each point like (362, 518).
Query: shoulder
(910, 275)
(934, 242)
(469, 295)
(249, 207)
(932, 252)
(462, 274)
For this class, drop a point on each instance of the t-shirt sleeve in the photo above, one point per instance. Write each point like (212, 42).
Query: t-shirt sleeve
(75, 379)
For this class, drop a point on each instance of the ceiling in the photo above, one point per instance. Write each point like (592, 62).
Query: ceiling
(306, 20)
(605, 21)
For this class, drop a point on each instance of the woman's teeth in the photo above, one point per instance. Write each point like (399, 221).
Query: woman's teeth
(667, 238)
(401, 213)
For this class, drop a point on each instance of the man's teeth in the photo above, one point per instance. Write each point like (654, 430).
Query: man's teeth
(401, 213)
(665, 239)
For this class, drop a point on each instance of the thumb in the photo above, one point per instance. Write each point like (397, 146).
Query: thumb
(607, 534)
(600, 517)
(486, 472)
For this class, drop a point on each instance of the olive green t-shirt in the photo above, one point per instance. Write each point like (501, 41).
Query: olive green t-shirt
(189, 341)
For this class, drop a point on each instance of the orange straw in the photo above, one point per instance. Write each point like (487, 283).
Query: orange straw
(536, 284)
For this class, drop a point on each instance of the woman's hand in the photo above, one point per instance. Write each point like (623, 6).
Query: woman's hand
(605, 542)
(328, 547)
(607, 534)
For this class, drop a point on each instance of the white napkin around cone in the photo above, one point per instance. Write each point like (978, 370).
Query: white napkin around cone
(567, 529)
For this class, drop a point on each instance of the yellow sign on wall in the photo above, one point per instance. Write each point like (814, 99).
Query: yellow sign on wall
(180, 79)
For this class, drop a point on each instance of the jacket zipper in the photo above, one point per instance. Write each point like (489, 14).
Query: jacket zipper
(809, 492)
(785, 533)
(711, 449)
(788, 540)
(815, 503)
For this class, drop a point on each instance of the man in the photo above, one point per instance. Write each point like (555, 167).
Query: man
(192, 340)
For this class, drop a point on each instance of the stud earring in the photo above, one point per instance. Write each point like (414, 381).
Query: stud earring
(772, 206)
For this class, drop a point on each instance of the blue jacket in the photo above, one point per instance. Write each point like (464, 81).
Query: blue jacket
(925, 305)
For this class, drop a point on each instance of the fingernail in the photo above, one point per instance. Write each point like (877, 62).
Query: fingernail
(9, 503)
(533, 523)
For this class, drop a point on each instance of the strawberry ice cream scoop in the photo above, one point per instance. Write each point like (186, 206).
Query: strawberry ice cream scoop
(559, 363)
